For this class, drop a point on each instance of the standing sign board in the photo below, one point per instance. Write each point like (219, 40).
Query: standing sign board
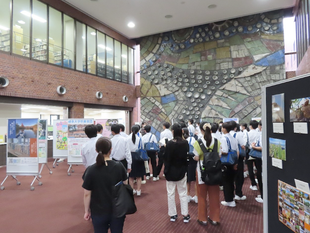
(76, 139)
(22, 147)
(42, 146)
(106, 124)
(60, 139)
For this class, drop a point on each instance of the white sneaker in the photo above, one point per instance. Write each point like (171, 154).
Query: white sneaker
(154, 178)
(229, 204)
(134, 192)
(253, 187)
(147, 177)
(138, 193)
(259, 199)
(221, 188)
(151, 175)
(245, 174)
(256, 181)
(195, 199)
(189, 198)
(240, 198)
(143, 182)
(163, 175)
(157, 178)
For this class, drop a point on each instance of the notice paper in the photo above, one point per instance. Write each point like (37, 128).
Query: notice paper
(278, 128)
(303, 186)
(277, 163)
(301, 127)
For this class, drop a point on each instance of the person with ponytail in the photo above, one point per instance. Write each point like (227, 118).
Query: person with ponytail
(137, 167)
(175, 160)
(99, 179)
(203, 190)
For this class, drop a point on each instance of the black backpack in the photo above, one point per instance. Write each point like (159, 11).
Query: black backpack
(211, 169)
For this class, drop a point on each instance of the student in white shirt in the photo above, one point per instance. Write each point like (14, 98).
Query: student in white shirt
(198, 131)
(122, 131)
(138, 169)
(191, 128)
(120, 148)
(253, 138)
(215, 131)
(99, 130)
(167, 134)
(258, 165)
(89, 153)
(149, 137)
(229, 170)
(239, 180)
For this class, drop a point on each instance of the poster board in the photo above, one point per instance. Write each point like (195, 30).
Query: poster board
(60, 139)
(42, 143)
(231, 119)
(76, 139)
(22, 147)
(107, 123)
(297, 153)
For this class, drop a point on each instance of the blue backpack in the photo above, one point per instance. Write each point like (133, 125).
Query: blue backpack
(151, 146)
(231, 158)
(191, 147)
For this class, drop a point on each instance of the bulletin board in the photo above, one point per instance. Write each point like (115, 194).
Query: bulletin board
(286, 138)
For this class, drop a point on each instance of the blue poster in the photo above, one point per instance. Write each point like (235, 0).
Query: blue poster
(12, 129)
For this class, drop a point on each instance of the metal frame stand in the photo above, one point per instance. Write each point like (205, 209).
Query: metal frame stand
(36, 177)
(56, 163)
(70, 168)
(42, 166)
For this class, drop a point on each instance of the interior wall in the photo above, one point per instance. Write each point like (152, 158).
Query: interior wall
(212, 71)
(8, 111)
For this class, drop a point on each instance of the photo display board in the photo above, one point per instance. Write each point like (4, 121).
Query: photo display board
(60, 139)
(106, 124)
(42, 145)
(22, 147)
(286, 153)
(76, 139)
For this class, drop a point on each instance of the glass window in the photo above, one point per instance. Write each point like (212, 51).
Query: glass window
(68, 51)
(5, 18)
(91, 50)
(101, 55)
(55, 36)
(39, 31)
(21, 27)
(110, 58)
(80, 46)
(124, 64)
(118, 71)
(131, 64)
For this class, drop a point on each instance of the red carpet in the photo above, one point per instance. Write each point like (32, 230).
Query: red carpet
(57, 207)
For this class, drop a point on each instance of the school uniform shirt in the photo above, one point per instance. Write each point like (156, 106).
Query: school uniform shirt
(198, 132)
(233, 143)
(246, 137)
(123, 134)
(191, 130)
(120, 149)
(166, 134)
(133, 147)
(89, 153)
(253, 137)
(199, 152)
(192, 140)
(239, 137)
(148, 137)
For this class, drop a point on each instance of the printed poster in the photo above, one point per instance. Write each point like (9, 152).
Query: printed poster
(277, 107)
(60, 139)
(300, 110)
(294, 208)
(22, 146)
(277, 148)
(106, 124)
(77, 138)
(42, 146)
(231, 119)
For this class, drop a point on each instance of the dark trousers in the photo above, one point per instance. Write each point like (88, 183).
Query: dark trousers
(239, 179)
(250, 164)
(228, 183)
(152, 155)
(124, 162)
(258, 165)
(160, 160)
(102, 223)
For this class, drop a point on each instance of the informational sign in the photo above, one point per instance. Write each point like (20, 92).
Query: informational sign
(106, 124)
(22, 147)
(42, 145)
(60, 139)
(231, 119)
(76, 139)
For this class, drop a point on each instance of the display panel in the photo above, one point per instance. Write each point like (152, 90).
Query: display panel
(60, 139)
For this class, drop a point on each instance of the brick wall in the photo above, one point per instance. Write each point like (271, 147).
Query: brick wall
(36, 80)
(77, 111)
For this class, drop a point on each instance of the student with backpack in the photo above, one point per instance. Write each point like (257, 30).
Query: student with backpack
(208, 143)
(192, 164)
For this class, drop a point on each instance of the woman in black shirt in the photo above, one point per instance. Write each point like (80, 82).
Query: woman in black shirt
(99, 180)
(175, 159)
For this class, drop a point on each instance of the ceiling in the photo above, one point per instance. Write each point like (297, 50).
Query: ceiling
(149, 15)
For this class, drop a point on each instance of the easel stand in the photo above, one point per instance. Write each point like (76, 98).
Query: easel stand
(71, 169)
(42, 166)
(56, 163)
(36, 177)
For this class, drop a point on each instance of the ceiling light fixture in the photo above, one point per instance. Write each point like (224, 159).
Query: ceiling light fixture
(20, 22)
(103, 47)
(124, 55)
(168, 16)
(4, 28)
(212, 6)
(38, 18)
(93, 33)
(131, 25)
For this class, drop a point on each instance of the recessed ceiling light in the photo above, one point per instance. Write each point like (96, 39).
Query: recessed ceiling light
(20, 22)
(212, 6)
(131, 25)
(93, 33)
(168, 16)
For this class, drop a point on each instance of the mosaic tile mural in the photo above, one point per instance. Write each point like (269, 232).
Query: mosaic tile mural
(212, 71)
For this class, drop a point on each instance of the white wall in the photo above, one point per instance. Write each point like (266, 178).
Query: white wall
(8, 111)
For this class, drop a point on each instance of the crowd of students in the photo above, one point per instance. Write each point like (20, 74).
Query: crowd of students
(181, 155)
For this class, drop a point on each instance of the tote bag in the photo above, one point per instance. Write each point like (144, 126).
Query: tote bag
(140, 154)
